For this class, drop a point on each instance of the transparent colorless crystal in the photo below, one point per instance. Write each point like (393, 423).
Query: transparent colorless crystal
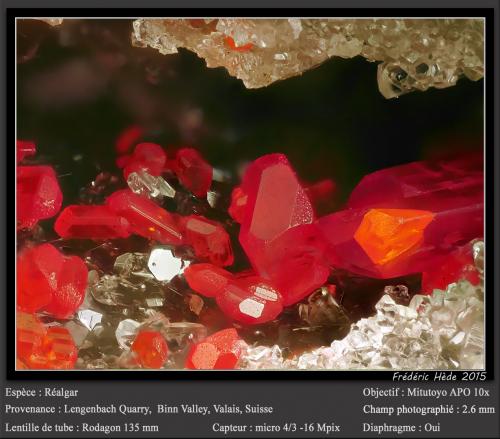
(78, 332)
(126, 332)
(413, 54)
(151, 186)
(131, 263)
(165, 265)
(89, 318)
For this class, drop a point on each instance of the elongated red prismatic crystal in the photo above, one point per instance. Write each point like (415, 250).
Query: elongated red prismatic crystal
(38, 195)
(276, 229)
(407, 219)
(151, 349)
(221, 350)
(25, 148)
(207, 279)
(208, 238)
(127, 138)
(194, 173)
(251, 300)
(91, 222)
(145, 217)
(238, 204)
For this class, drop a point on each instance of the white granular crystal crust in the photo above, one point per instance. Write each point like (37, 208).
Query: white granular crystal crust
(444, 330)
(413, 54)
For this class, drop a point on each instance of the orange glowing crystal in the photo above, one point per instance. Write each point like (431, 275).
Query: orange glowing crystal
(386, 234)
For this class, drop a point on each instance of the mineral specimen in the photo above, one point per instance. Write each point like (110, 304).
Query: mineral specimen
(165, 265)
(151, 349)
(221, 350)
(207, 279)
(38, 195)
(145, 217)
(406, 219)
(91, 222)
(25, 148)
(414, 54)
(194, 173)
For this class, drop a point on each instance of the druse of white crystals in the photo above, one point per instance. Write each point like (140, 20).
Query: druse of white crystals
(444, 330)
(164, 264)
(414, 54)
(143, 183)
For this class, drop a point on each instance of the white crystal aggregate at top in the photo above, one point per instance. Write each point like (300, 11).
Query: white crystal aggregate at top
(165, 265)
(414, 54)
(444, 330)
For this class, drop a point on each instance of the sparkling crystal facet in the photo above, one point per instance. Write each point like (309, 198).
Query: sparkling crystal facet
(250, 300)
(165, 265)
(221, 350)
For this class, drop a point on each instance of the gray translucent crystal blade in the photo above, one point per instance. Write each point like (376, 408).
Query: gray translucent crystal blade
(414, 54)
(151, 186)
(164, 265)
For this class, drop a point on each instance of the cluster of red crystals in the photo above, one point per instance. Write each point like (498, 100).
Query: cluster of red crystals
(145, 217)
(49, 281)
(43, 348)
(194, 173)
(407, 219)
(127, 138)
(148, 157)
(151, 349)
(25, 148)
(244, 298)
(38, 195)
(209, 239)
(221, 350)
(277, 230)
(91, 222)
(458, 265)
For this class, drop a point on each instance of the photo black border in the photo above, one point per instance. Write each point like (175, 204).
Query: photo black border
(137, 375)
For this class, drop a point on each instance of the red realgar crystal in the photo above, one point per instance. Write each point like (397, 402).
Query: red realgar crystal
(194, 173)
(250, 300)
(38, 195)
(29, 335)
(238, 204)
(406, 219)
(148, 157)
(221, 350)
(49, 281)
(25, 148)
(145, 217)
(151, 349)
(209, 239)
(456, 266)
(127, 138)
(38, 270)
(207, 279)
(276, 229)
(91, 222)
(58, 351)
(71, 285)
